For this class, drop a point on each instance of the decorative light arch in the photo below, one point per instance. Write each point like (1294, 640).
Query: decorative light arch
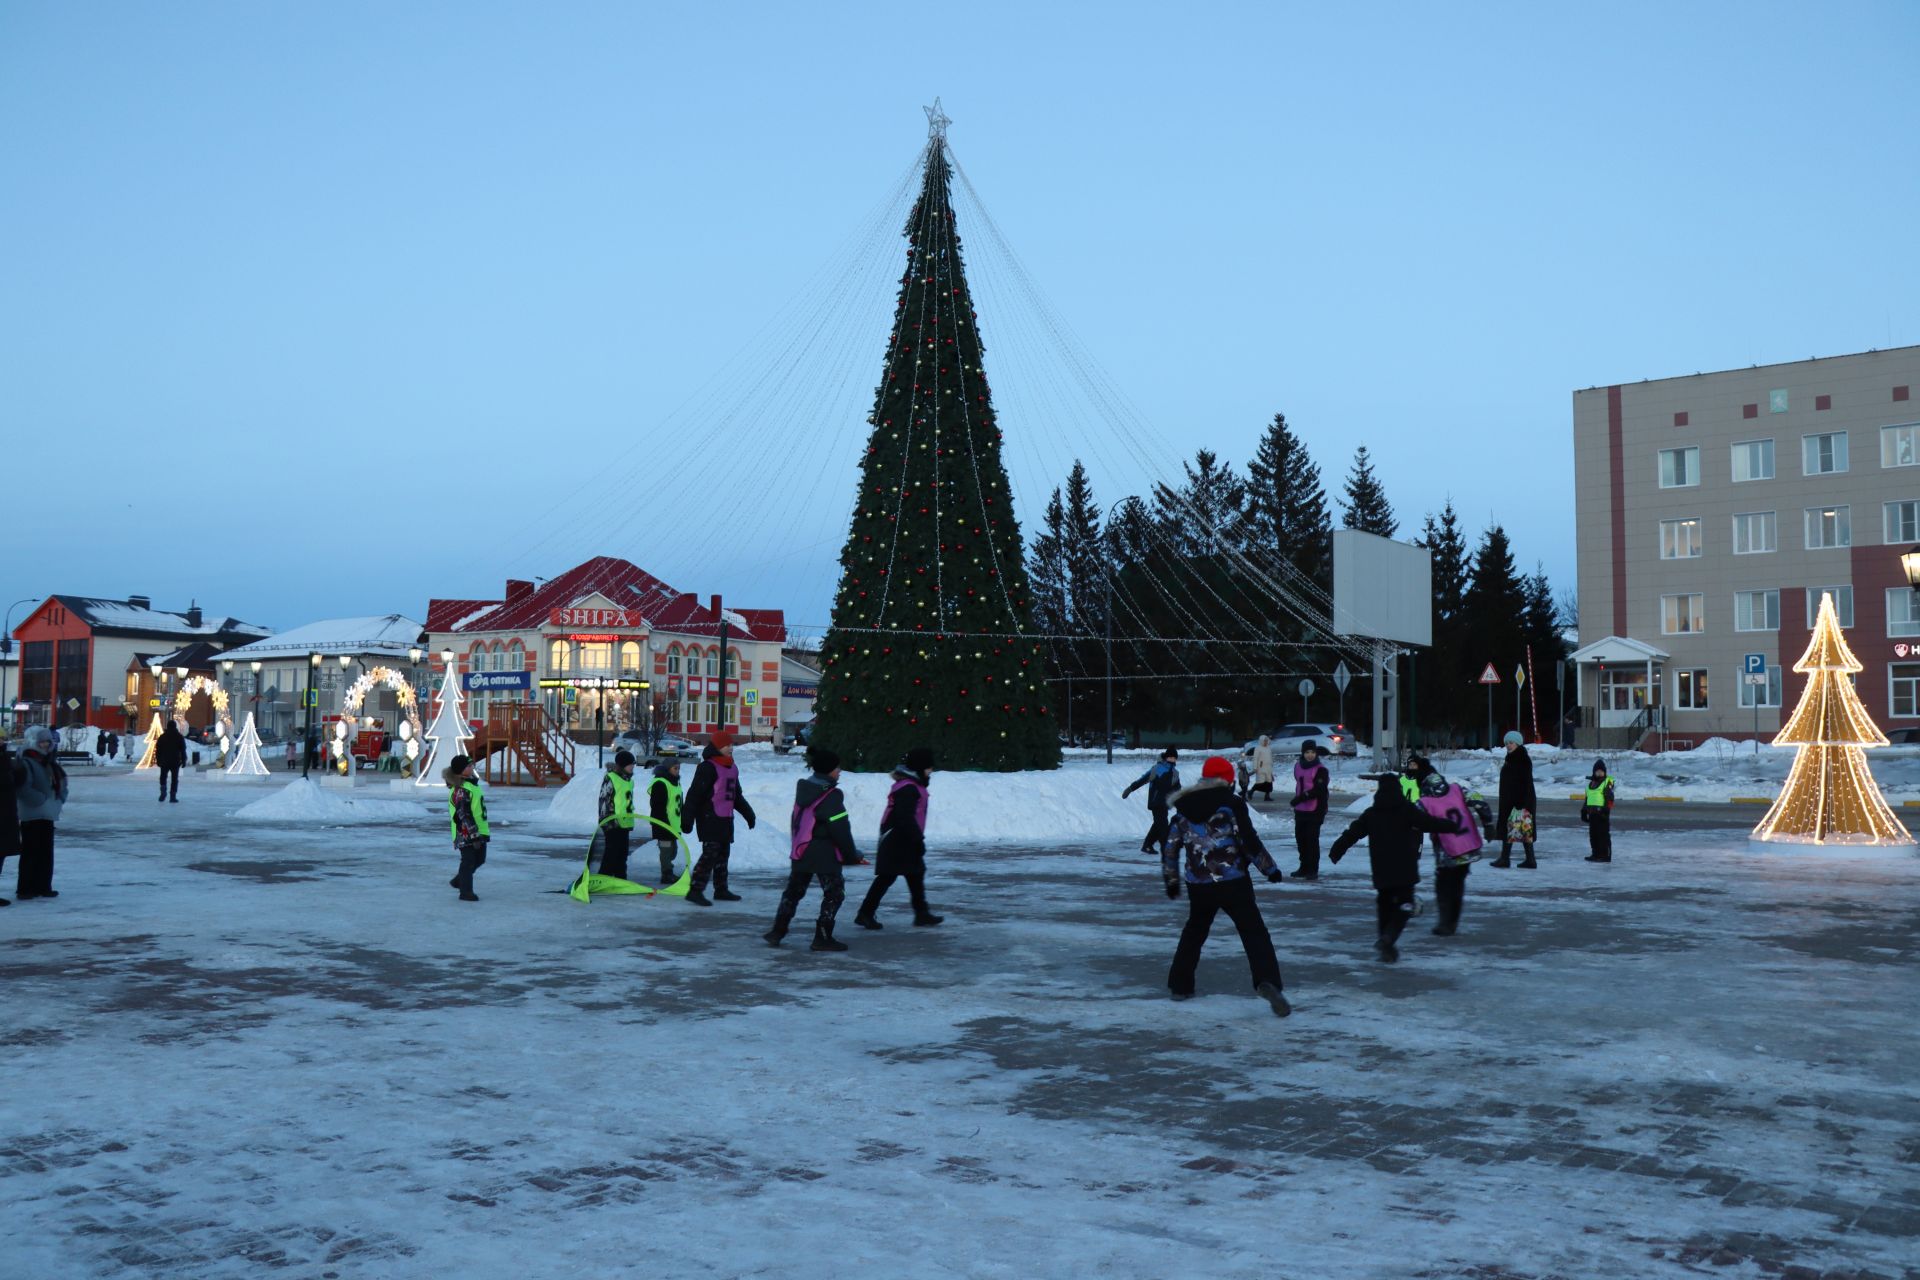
(356, 697)
(183, 702)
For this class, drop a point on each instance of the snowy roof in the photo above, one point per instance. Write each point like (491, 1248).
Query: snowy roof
(391, 634)
(135, 617)
(1619, 649)
(621, 584)
(198, 656)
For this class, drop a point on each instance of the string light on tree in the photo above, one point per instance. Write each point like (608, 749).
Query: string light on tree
(448, 732)
(149, 759)
(1830, 796)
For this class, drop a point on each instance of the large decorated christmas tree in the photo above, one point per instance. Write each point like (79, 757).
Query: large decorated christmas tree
(931, 642)
(1830, 796)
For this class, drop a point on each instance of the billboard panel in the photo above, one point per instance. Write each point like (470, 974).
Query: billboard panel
(1382, 588)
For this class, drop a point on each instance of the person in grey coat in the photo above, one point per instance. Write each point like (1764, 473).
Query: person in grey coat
(9, 811)
(40, 791)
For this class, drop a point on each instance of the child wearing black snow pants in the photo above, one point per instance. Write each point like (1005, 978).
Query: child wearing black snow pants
(1597, 813)
(903, 842)
(1161, 781)
(467, 815)
(1392, 827)
(712, 800)
(1309, 810)
(1212, 846)
(822, 842)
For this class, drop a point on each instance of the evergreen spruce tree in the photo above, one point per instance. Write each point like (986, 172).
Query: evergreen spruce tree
(1086, 566)
(1494, 615)
(1446, 680)
(1287, 507)
(1047, 570)
(1206, 515)
(930, 642)
(1365, 506)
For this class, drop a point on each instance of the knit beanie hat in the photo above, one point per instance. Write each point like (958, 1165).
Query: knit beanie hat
(822, 760)
(919, 759)
(1513, 739)
(1217, 767)
(622, 758)
(1169, 754)
(722, 740)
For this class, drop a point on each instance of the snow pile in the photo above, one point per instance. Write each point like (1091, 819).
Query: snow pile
(1078, 802)
(306, 801)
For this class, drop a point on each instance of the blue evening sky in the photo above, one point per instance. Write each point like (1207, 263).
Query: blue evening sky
(320, 309)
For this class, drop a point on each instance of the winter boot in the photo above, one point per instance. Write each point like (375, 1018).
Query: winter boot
(666, 868)
(823, 939)
(698, 898)
(720, 891)
(775, 934)
(468, 895)
(1277, 1002)
(1528, 864)
(925, 918)
(1504, 860)
(866, 921)
(1388, 952)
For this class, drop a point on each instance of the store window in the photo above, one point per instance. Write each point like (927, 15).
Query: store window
(595, 655)
(1903, 688)
(630, 657)
(559, 657)
(1690, 689)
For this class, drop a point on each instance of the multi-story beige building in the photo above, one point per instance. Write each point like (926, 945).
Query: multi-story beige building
(1713, 510)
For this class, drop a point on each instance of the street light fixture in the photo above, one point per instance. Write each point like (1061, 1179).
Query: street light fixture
(306, 735)
(1910, 562)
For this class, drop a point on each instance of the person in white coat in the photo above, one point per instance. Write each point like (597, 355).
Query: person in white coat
(1263, 766)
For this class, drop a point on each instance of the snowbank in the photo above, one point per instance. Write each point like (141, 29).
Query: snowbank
(304, 800)
(1079, 801)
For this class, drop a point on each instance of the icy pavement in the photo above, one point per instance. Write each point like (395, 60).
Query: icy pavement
(240, 1051)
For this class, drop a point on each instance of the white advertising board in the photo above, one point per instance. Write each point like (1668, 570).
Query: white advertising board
(1381, 588)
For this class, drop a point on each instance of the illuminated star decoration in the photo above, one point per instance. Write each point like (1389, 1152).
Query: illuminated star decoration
(937, 122)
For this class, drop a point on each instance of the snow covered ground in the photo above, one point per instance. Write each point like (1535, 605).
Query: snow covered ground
(1715, 770)
(241, 1047)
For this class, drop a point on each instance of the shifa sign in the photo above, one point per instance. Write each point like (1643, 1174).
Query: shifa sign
(618, 619)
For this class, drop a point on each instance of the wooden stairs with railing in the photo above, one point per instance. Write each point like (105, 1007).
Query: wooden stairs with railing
(521, 747)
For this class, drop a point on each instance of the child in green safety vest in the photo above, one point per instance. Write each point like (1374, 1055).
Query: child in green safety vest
(663, 808)
(467, 815)
(616, 816)
(1597, 813)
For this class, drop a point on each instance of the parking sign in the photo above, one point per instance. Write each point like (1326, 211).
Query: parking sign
(1754, 664)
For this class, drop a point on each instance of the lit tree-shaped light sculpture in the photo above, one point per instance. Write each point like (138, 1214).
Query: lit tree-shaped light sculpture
(149, 759)
(246, 758)
(447, 733)
(1830, 796)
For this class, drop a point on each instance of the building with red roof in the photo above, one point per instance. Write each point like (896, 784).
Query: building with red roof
(607, 638)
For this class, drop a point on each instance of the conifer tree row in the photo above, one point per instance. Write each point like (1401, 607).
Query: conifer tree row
(931, 640)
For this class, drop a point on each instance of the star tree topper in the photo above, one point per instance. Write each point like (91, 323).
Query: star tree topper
(937, 122)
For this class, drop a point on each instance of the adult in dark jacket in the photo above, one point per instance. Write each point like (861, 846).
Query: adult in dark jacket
(822, 841)
(170, 753)
(663, 813)
(40, 792)
(712, 801)
(1211, 844)
(1310, 782)
(1391, 826)
(1516, 794)
(9, 811)
(903, 842)
(1161, 781)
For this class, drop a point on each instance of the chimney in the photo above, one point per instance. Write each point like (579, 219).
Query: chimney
(517, 588)
(140, 602)
(716, 606)
(193, 614)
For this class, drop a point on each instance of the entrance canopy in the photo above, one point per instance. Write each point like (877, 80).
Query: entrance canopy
(1618, 650)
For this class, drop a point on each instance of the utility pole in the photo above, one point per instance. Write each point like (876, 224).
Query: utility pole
(1109, 612)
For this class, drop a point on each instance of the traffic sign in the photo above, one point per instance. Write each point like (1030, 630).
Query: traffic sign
(1519, 675)
(1341, 676)
(752, 697)
(1489, 676)
(1754, 664)
(1306, 688)
(1751, 678)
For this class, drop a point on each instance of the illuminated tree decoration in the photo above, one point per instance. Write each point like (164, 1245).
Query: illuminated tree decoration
(447, 733)
(1830, 796)
(149, 758)
(246, 760)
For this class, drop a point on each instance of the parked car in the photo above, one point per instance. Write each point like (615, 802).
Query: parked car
(1334, 739)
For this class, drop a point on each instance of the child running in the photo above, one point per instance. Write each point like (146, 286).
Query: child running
(1212, 844)
(1391, 826)
(822, 841)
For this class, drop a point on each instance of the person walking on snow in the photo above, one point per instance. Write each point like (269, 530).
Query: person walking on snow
(40, 792)
(1597, 813)
(663, 811)
(170, 753)
(1161, 781)
(1453, 853)
(9, 811)
(712, 801)
(1211, 845)
(1263, 766)
(616, 816)
(467, 815)
(903, 842)
(1310, 781)
(1518, 803)
(822, 841)
(1391, 826)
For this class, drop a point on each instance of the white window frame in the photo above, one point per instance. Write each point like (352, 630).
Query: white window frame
(1770, 693)
(1842, 604)
(1809, 452)
(1893, 445)
(1690, 689)
(1670, 531)
(1771, 523)
(1895, 528)
(1903, 613)
(1769, 596)
(1765, 447)
(1696, 614)
(1912, 683)
(1688, 468)
(1816, 522)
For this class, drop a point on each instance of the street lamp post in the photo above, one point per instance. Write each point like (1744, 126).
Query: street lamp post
(306, 734)
(6, 651)
(1107, 576)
